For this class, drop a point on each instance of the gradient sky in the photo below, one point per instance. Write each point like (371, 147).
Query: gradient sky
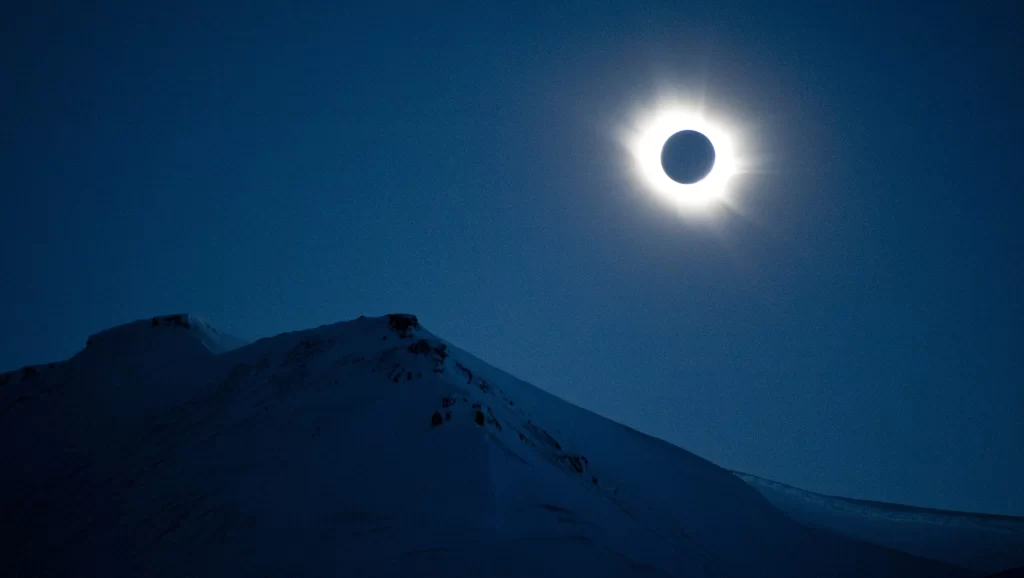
(853, 327)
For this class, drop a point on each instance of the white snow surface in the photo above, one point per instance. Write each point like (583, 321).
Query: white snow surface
(984, 542)
(166, 450)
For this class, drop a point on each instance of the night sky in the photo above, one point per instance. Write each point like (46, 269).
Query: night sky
(850, 323)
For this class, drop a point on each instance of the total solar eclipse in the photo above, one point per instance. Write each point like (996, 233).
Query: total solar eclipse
(687, 157)
(683, 156)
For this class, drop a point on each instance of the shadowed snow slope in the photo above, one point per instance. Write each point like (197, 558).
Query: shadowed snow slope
(980, 541)
(365, 448)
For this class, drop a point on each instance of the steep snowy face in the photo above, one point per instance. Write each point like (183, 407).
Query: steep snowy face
(978, 541)
(56, 417)
(374, 448)
(148, 365)
(123, 371)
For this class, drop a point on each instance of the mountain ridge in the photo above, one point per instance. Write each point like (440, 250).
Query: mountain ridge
(988, 542)
(375, 447)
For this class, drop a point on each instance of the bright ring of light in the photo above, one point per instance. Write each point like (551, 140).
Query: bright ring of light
(647, 145)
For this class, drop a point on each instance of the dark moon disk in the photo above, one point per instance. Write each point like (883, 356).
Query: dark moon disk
(687, 157)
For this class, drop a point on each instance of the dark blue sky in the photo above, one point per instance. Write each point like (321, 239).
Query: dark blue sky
(853, 328)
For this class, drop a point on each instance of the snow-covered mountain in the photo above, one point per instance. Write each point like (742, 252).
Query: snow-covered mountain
(364, 448)
(981, 541)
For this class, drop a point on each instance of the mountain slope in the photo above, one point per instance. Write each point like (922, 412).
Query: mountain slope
(367, 448)
(982, 542)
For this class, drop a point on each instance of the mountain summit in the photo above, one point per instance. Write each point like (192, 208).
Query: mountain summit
(165, 334)
(365, 448)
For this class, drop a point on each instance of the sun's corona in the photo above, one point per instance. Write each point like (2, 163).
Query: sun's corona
(649, 140)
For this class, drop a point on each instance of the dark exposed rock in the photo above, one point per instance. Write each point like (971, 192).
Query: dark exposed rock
(176, 320)
(554, 508)
(442, 351)
(576, 463)
(543, 435)
(465, 370)
(424, 347)
(421, 346)
(436, 419)
(403, 324)
(493, 420)
(479, 417)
